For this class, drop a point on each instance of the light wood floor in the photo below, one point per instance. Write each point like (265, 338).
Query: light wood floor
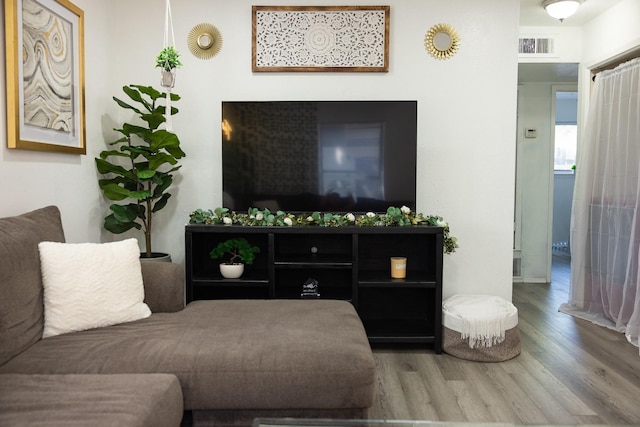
(569, 372)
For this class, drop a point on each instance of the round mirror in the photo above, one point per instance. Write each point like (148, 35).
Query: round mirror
(442, 41)
(205, 41)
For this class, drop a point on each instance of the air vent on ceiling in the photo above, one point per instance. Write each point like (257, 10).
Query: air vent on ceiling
(536, 46)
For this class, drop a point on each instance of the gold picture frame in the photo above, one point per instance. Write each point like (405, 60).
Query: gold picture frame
(320, 38)
(45, 75)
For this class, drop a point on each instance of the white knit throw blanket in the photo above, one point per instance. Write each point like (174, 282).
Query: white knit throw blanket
(483, 317)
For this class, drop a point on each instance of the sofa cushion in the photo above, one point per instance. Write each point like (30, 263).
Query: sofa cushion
(163, 286)
(21, 312)
(230, 354)
(89, 285)
(151, 400)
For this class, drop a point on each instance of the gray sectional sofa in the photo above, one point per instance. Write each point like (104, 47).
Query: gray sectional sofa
(226, 362)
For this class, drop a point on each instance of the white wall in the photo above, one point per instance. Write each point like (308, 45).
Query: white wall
(610, 35)
(567, 42)
(534, 167)
(536, 179)
(33, 179)
(466, 119)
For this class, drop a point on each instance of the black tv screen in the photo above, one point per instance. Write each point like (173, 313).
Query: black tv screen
(328, 156)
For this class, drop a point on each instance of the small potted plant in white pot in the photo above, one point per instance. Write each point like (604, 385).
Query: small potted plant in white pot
(239, 252)
(168, 60)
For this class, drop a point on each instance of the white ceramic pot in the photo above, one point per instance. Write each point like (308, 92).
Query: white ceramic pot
(231, 271)
(168, 78)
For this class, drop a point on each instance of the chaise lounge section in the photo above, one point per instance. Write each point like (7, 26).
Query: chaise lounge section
(234, 360)
(144, 400)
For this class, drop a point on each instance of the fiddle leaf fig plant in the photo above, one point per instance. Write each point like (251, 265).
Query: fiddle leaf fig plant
(139, 168)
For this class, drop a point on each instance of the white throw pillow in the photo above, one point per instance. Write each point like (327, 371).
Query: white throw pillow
(89, 285)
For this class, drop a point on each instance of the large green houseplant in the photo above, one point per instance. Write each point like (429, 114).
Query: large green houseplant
(138, 169)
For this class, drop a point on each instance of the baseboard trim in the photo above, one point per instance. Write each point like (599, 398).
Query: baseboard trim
(530, 280)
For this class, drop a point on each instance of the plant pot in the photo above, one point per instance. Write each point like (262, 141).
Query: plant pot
(155, 257)
(231, 271)
(168, 78)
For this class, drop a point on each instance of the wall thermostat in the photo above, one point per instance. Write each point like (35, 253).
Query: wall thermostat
(530, 133)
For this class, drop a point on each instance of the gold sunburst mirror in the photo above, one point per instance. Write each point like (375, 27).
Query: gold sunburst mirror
(442, 41)
(204, 41)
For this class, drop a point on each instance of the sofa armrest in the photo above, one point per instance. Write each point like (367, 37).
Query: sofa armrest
(163, 286)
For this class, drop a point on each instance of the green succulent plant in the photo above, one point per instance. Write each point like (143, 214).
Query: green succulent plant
(168, 59)
(139, 168)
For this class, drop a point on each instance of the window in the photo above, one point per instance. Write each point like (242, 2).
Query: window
(566, 130)
(565, 147)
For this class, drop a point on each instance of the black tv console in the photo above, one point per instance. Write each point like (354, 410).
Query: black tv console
(349, 263)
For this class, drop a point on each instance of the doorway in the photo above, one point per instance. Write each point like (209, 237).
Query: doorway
(565, 136)
(538, 84)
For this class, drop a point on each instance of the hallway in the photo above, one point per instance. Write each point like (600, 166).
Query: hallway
(561, 269)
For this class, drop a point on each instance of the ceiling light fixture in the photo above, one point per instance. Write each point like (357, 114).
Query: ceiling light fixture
(561, 9)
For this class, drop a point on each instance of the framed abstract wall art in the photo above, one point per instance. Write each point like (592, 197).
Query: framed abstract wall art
(45, 75)
(320, 38)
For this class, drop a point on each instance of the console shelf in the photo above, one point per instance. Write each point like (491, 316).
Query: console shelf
(349, 263)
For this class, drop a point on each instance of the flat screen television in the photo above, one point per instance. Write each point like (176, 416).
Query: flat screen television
(327, 156)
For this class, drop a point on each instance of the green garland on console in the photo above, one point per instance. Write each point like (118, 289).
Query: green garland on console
(393, 217)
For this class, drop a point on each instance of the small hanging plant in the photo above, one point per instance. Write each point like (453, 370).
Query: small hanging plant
(168, 59)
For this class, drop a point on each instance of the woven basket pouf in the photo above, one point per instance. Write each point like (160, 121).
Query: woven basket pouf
(481, 328)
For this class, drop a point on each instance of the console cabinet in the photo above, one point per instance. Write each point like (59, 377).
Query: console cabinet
(349, 263)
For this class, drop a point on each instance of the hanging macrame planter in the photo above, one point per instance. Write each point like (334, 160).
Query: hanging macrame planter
(168, 78)
(168, 61)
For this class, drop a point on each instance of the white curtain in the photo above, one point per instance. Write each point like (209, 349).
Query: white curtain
(605, 221)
